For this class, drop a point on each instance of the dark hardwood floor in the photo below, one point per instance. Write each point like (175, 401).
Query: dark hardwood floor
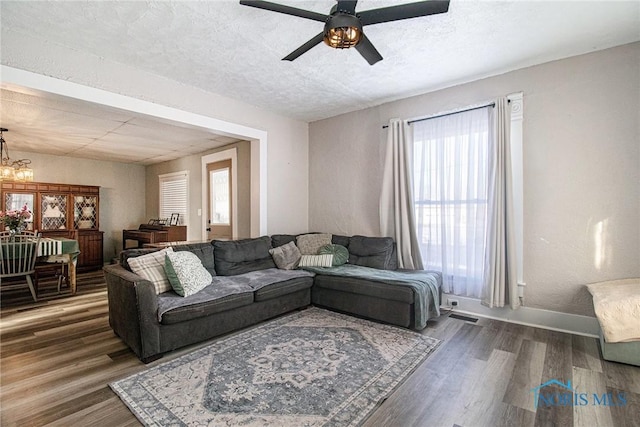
(58, 355)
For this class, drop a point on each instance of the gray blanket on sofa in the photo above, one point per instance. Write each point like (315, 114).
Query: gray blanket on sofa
(424, 284)
(222, 286)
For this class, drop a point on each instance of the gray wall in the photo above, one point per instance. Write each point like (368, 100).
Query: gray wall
(193, 164)
(581, 169)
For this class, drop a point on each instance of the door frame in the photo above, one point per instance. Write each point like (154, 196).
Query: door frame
(230, 154)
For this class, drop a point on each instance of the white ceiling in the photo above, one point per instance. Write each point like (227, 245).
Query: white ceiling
(46, 123)
(236, 51)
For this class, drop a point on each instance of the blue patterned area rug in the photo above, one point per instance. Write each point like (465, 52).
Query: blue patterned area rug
(311, 368)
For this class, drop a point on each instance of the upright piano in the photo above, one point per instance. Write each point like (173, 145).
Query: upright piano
(148, 233)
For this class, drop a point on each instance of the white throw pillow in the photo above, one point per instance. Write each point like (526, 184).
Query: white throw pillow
(151, 267)
(186, 273)
(316, 261)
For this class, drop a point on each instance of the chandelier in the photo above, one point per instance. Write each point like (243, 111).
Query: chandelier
(16, 170)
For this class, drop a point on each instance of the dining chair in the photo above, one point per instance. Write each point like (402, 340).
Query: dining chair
(18, 254)
(58, 269)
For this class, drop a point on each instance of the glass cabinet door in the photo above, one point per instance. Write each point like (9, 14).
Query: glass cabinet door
(53, 211)
(15, 201)
(85, 212)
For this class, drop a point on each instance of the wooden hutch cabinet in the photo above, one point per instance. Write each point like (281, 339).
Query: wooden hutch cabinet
(61, 210)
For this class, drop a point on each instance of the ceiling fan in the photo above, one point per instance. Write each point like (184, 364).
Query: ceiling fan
(343, 25)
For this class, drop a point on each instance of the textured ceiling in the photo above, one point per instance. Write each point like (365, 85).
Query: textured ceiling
(236, 51)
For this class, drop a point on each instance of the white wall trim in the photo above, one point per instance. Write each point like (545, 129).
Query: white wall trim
(517, 162)
(528, 316)
(25, 79)
(230, 154)
(259, 187)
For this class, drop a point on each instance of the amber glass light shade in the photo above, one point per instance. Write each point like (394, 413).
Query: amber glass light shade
(342, 31)
(342, 37)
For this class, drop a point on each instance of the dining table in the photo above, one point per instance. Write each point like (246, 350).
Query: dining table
(60, 250)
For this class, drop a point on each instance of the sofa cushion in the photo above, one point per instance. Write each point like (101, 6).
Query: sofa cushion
(375, 252)
(186, 273)
(202, 309)
(282, 239)
(339, 252)
(356, 285)
(226, 293)
(337, 239)
(151, 267)
(286, 256)
(276, 290)
(204, 251)
(242, 256)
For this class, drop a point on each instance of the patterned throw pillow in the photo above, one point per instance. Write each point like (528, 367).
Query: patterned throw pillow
(339, 252)
(310, 244)
(316, 261)
(186, 273)
(286, 256)
(151, 267)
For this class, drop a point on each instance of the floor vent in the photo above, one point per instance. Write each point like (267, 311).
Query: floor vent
(465, 318)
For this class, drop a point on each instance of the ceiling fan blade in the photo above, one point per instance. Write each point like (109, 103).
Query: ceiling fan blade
(368, 50)
(304, 48)
(287, 10)
(348, 6)
(403, 11)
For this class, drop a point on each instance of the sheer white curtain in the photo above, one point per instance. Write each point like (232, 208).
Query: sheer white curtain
(451, 191)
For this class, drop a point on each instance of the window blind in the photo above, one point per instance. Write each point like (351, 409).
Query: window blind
(174, 195)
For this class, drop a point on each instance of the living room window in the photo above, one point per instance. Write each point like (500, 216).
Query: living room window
(451, 194)
(174, 195)
(453, 156)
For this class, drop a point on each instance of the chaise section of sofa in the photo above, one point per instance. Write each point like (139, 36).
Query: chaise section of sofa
(371, 286)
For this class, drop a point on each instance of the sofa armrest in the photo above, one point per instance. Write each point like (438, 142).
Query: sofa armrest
(133, 308)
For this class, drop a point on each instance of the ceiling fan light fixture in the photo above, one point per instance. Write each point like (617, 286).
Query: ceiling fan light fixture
(343, 25)
(342, 31)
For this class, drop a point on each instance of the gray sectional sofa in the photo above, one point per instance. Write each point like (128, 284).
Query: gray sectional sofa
(248, 288)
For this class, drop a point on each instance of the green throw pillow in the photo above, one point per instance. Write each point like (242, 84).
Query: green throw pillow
(339, 252)
(186, 273)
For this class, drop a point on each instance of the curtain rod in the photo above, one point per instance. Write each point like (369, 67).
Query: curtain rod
(493, 104)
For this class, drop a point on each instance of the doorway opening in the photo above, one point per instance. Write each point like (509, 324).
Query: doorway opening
(220, 212)
(227, 178)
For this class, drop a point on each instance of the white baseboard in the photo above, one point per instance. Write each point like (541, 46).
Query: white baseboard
(536, 317)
